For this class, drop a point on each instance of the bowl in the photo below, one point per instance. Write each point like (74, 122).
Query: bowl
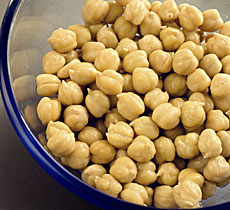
(23, 42)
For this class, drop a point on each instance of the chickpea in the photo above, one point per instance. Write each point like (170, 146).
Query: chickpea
(112, 117)
(180, 163)
(165, 150)
(48, 110)
(193, 36)
(71, 55)
(120, 153)
(115, 11)
(171, 38)
(94, 11)
(97, 103)
(150, 192)
(222, 103)
(128, 83)
(107, 36)
(123, 2)
(217, 121)
(208, 190)
(212, 174)
(134, 193)
(212, 20)
(90, 51)
(124, 170)
(171, 24)
(172, 134)
(142, 149)
(120, 135)
(63, 40)
(101, 127)
(171, 117)
(177, 102)
(198, 163)
(130, 105)
(163, 197)
(90, 173)
(125, 46)
(225, 142)
(225, 29)
(223, 183)
(167, 174)
(95, 28)
(52, 62)
(182, 6)
(226, 64)
(155, 7)
(168, 10)
(107, 59)
(220, 83)
(146, 173)
(124, 29)
(187, 194)
(113, 101)
(190, 18)
(76, 117)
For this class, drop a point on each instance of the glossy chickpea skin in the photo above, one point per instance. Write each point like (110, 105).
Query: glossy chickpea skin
(54, 127)
(99, 124)
(220, 83)
(168, 10)
(208, 190)
(217, 121)
(113, 117)
(150, 193)
(226, 64)
(225, 142)
(225, 29)
(90, 51)
(128, 83)
(198, 163)
(125, 46)
(115, 11)
(165, 150)
(107, 36)
(222, 103)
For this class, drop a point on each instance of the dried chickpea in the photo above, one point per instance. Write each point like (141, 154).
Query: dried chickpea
(150, 192)
(212, 20)
(120, 135)
(76, 117)
(130, 105)
(124, 170)
(63, 40)
(177, 102)
(124, 28)
(161, 61)
(168, 10)
(90, 51)
(94, 11)
(155, 7)
(95, 28)
(223, 183)
(142, 149)
(171, 24)
(107, 37)
(128, 83)
(166, 116)
(125, 46)
(193, 36)
(212, 174)
(222, 103)
(184, 62)
(180, 163)
(61, 143)
(198, 163)
(146, 173)
(217, 121)
(167, 174)
(220, 83)
(225, 142)
(146, 127)
(90, 173)
(171, 38)
(48, 110)
(225, 29)
(97, 103)
(120, 153)
(187, 194)
(107, 59)
(134, 193)
(219, 44)
(89, 135)
(226, 64)
(113, 101)
(160, 83)
(183, 173)
(115, 11)
(163, 197)
(190, 18)
(208, 190)
(101, 126)
(151, 24)
(147, 4)
(165, 150)
(209, 144)
(172, 134)
(52, 62)
(182, 6)
(123, 2)
(71, 55)
(47, 84)
(112, 117)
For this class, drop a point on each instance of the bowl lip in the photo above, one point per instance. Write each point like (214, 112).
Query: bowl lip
(46, 161)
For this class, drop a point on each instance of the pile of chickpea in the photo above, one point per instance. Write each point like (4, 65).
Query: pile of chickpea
(143, 89)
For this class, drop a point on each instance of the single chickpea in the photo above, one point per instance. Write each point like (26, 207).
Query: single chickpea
(52, 62)
(134, 193)
(101, 126)
(124, 28)
(220, 83)
(168, 10)
(90, 51)
(115, 11)
(89, 135)
(107, 59)
(107, 37)
(130, 105)
(95, 28)
(208, 190)
(146, 173)
(177, 102)
(155, 7)
(63, 40)
(128, 83)
(90, 173)
(187, 194)
(212, 174)
(167, 174)
(184, 62)
(225, 142)
(198, 163)
(123, 2)
(226, 64)
(209, 144)
(142, 149)
(219, 44)
(161, 61)
(150, 192)
(97, 103)
(151, 24)
(76, 117)
(120, 135)
(171, 38)
(193, 36)
(225, 29)
(190, 18)
(163, 197)
(113, 101)
(172, 134)
(180, 163)
(217, 121)
(125, 46)
(165, 150)
(124, 170)
(71, 55)
(222, 103)
(171, 117)
(212, 20)
(48, 110)
(94, 11)
(113, 117)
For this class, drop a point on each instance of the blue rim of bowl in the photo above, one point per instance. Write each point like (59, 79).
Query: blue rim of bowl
(53, 168)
